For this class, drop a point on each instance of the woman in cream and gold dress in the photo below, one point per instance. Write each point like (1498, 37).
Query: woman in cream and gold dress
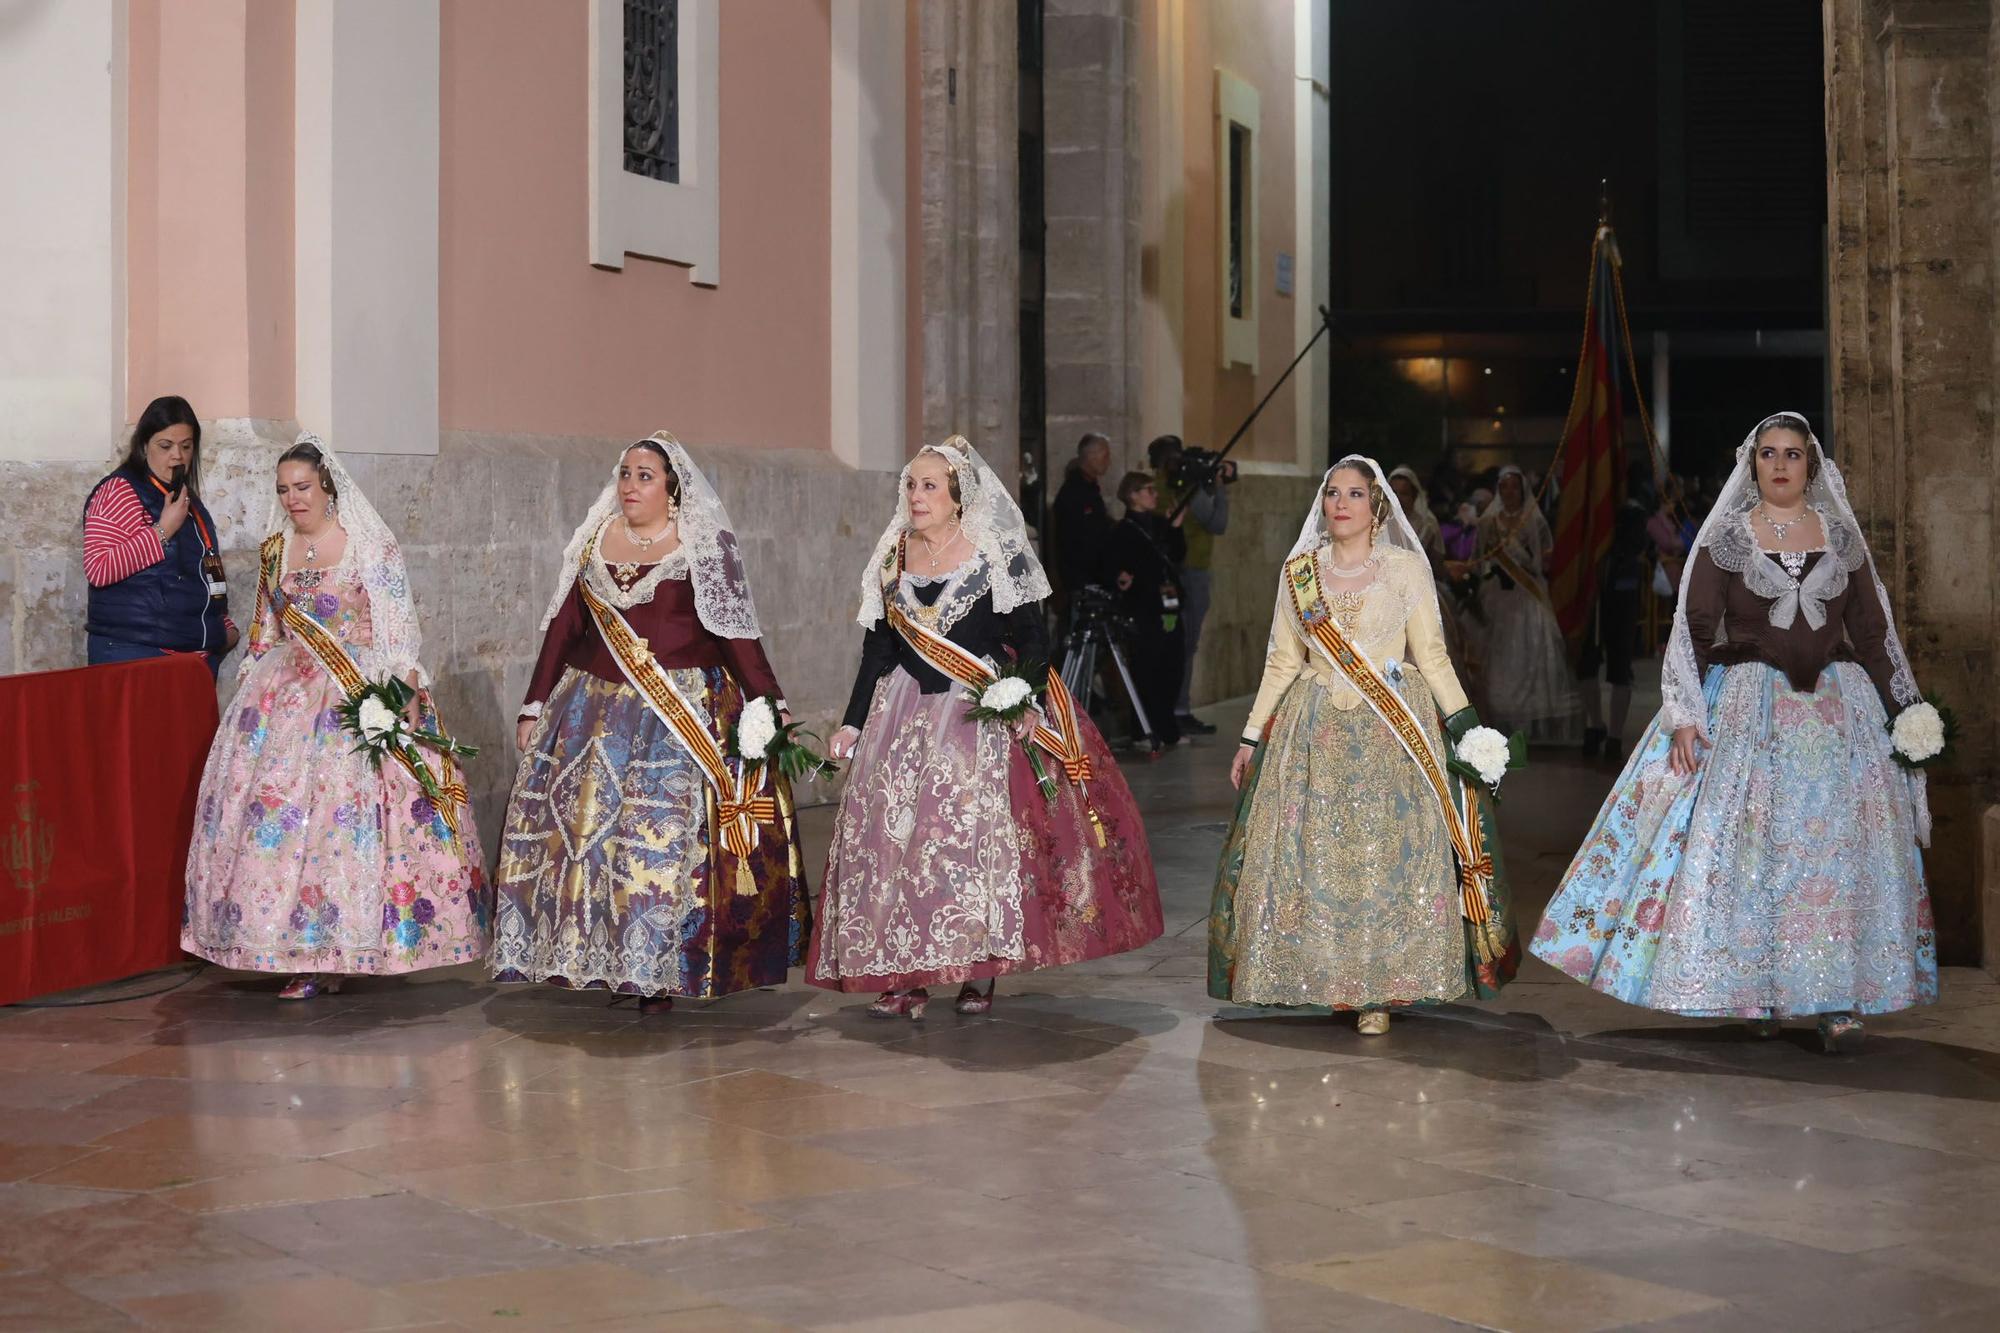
(1360, 871)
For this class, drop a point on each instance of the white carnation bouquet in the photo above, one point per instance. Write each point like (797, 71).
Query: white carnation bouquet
(1922, 734)
(1485, 756)
(1006, 699)
(378, 717)
(760, 737)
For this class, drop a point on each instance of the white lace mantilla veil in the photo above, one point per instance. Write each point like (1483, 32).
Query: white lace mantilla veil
(1425, 524)
(1397, 533)
(1725, 534)
(991, 521)
(715, 565)
(392, 614)
(1530, 512)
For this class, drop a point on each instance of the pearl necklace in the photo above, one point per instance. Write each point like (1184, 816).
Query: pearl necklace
(645, 543)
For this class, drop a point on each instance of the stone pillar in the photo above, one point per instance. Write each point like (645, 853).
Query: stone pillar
(971, 258)
(1912, 96)
(1090, 110)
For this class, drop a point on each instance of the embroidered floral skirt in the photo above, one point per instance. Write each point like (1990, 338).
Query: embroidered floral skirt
(1782, 878)
(610, 874)
(1337, 884)
(949, 865)
(306, 859)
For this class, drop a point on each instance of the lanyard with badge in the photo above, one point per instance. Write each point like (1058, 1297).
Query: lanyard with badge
(211, 561)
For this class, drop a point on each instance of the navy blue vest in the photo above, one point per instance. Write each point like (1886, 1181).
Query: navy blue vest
(164, 605)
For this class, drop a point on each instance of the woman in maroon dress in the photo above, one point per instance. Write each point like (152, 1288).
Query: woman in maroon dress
(639, 855)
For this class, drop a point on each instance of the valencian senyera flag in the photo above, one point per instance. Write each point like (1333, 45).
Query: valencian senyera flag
(1605, 414)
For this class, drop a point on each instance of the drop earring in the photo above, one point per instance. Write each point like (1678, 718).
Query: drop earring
(329, 509)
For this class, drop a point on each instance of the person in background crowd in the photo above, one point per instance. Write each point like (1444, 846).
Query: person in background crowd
(1529, 682)
(1612, 637)
(1666, 530)
(1461, 534)
(1208, 518)
(1082, 524)
(1145, 566)
(150, 552)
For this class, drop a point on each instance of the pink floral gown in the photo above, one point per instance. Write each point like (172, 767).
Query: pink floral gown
(305, 858)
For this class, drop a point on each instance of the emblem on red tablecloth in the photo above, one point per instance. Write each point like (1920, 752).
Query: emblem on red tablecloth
(29, 846)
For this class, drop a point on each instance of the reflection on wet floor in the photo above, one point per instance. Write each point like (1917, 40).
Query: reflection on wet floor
(1108, 1150)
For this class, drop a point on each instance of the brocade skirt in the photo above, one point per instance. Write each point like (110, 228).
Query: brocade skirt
(1337, 884)
(1782, 878)
(949, 864)
(611, 876)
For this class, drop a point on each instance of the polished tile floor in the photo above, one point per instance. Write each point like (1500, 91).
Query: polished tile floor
(1109, 1150)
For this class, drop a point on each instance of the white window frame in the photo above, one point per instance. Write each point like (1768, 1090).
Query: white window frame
(1237, 104)
(632, 214)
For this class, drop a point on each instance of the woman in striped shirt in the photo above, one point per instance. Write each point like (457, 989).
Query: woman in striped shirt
(150, 551)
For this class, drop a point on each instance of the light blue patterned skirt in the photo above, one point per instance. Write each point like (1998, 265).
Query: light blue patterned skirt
(1781, 879)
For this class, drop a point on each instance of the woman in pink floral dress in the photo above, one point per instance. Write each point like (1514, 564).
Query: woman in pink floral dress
(307, 859)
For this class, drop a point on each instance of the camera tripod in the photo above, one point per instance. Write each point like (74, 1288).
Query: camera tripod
(1089, 633)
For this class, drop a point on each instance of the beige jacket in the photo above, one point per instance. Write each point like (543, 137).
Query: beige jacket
(1398, 622)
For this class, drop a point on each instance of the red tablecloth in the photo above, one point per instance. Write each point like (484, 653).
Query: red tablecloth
(99, 768)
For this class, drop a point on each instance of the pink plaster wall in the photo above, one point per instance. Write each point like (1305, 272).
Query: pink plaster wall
(533, 339)
(209, 206)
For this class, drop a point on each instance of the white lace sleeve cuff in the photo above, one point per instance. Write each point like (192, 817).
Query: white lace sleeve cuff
(532, 710)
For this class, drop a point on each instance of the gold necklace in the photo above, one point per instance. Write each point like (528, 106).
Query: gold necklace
(936, 553)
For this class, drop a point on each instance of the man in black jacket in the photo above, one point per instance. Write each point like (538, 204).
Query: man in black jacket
(1082, 526)
(1143, 562)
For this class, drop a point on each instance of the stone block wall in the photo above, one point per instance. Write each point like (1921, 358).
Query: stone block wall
(1264, 516)
(1091, 203)
(483, 525)
(1913, 101)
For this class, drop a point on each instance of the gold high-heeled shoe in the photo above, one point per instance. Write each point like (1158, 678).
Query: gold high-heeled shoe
(1374, 1023)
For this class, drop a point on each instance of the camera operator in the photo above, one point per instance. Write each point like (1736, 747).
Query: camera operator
(1144, 565)
(1180, 471)
(1082, 524)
